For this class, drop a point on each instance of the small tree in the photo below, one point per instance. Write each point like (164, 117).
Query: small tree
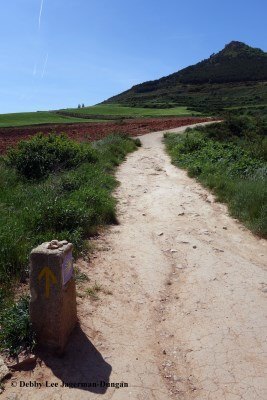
(79, 106)
(83, 105)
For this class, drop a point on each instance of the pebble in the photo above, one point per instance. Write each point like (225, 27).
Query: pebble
(174, 251)
(53, 247)
(55, 244)
(160, 233)
(168, 364)
(194, 247)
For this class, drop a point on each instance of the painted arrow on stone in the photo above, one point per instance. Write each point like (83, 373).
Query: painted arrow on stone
(50, 279)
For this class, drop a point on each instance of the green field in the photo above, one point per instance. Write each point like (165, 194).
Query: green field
(37, 118)
(117, 110)
(98, 113)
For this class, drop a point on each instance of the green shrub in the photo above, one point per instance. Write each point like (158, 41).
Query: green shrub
(41, 155)
(248, 133)
(237, 125)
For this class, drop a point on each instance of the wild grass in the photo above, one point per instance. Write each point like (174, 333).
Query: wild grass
(16, 333)
(67, 204)
(80, 277)
(56, 203)
(231, 159)
(93, 291)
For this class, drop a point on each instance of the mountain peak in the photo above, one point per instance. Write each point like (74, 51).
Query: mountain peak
(236, 62)
(236, 48)
(234, 44)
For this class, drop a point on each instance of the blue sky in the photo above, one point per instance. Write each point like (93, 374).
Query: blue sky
(84, 51)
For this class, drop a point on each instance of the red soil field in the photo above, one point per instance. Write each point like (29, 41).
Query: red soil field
(9, 137)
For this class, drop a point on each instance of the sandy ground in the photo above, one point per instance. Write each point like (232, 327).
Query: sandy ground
(182, 309)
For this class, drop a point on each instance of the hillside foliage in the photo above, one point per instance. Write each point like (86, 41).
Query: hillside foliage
(236, 76)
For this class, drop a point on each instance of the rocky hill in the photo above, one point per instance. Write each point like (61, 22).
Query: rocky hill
(235, 76)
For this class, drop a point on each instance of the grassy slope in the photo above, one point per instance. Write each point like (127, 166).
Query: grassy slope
(124, 111)
(200, 97)
(36, 118)
(230, 159)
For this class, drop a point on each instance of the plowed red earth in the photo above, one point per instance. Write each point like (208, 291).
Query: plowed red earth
(9, 137)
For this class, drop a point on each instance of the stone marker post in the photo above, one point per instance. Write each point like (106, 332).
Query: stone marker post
(53, 310)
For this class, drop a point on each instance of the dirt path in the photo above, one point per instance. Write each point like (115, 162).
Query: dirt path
(182, 310)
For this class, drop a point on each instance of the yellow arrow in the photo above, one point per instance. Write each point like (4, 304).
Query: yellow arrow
(49, 279)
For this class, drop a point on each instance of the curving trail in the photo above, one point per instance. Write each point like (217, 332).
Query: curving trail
(182, 312)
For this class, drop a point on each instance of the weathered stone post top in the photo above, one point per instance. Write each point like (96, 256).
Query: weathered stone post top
(61, 250)
(53, 296)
